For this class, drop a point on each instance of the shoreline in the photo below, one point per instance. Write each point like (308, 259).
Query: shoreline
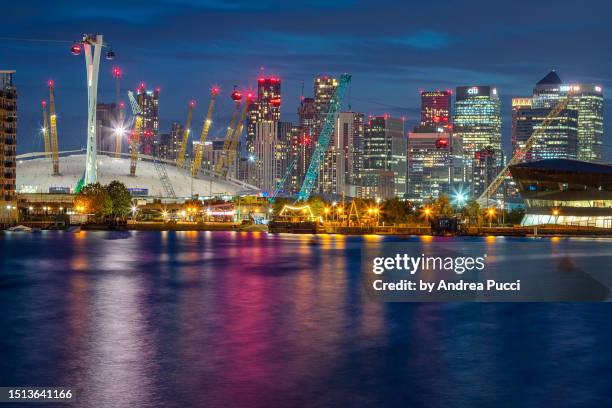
(541, 231)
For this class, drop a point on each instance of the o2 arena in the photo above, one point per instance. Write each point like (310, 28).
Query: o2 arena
(155, 178)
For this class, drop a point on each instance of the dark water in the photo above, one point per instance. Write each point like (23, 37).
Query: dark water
(221, 319)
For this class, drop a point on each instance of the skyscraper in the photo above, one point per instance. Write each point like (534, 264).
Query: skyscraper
(265, 108)
(350, 130)
(150, 119)
(106, 120)
(435, 110)
(589, 101)
(8, 143)
(272, 150)
(477, 120)
(384, 152)
(576, 131)
(435, 164)
(324, 90)
(170, 143)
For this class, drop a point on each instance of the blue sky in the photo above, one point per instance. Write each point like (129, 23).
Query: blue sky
(392, 48)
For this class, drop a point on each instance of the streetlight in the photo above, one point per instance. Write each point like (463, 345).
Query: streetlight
(491, 213)
(556, 214)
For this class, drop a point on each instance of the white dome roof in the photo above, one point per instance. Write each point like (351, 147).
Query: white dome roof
(34, 175)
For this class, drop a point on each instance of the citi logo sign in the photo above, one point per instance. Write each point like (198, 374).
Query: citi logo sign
(473, 90)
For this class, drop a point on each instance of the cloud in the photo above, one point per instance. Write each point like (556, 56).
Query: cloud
(425, 39)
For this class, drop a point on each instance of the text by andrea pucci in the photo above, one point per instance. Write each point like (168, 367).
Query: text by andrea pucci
(457, 264)
(474, 271)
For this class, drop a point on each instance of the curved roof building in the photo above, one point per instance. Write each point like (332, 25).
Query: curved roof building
(563, 191)
(154, 178)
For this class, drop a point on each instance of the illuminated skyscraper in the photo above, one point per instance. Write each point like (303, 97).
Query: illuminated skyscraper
(170, 143)
(272, 151)
(435, 165)
(384, 152)
(435, 109)
(265, 108)
(589, 101)
(106, 118)
(350, 132)
(324, 89)
(576, 132)
(8, 143)
(150, 119)
(477, 120)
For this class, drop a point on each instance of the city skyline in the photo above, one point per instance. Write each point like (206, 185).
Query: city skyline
(399, 61)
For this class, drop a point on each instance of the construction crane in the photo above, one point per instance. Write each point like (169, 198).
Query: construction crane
(53, 127)
(45, 129)
(180, 160)
(283, 180)
(492, 188)
(197, 162)
(324, 138)
(119, 131)
(233, 148)
(237, 98)
(135, 140)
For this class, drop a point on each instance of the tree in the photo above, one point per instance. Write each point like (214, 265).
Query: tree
(396, 211)
(442, 207)
(472, 212)
(317, 205)
(121, 200)
(94, 199)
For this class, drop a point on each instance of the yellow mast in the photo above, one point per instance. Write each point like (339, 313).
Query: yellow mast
(197, 162)
(54, 139)
(237, 98)
(231, 155)
(180, 160)
(45, 129)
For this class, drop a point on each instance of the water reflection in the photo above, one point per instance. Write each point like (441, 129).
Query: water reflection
(222, 319)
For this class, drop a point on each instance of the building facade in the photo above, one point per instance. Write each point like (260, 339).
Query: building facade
(435, 165)
(150, 119)
(324, 90)
(435, 110)
(170, 143)
(477, 120)
(272, 151)
(106, 122)
(385, 147)
(265, 108)
(8, 147)
(566, 192)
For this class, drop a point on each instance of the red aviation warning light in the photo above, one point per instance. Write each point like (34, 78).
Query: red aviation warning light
(276, 102)
(236, 95)
(75, 49)
(214, 91)
(117, 72)
(192, 103)
(441, 143)
(141, 87)
(50, 82)
(44, 103)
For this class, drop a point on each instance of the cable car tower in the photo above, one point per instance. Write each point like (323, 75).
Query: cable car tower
(92, 45)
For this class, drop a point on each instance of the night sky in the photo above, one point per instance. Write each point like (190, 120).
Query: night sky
(392, 48)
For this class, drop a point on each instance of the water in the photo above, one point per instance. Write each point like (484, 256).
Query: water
(224, 319)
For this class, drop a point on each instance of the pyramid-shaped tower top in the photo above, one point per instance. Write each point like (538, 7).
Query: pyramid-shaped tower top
(550, 79)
